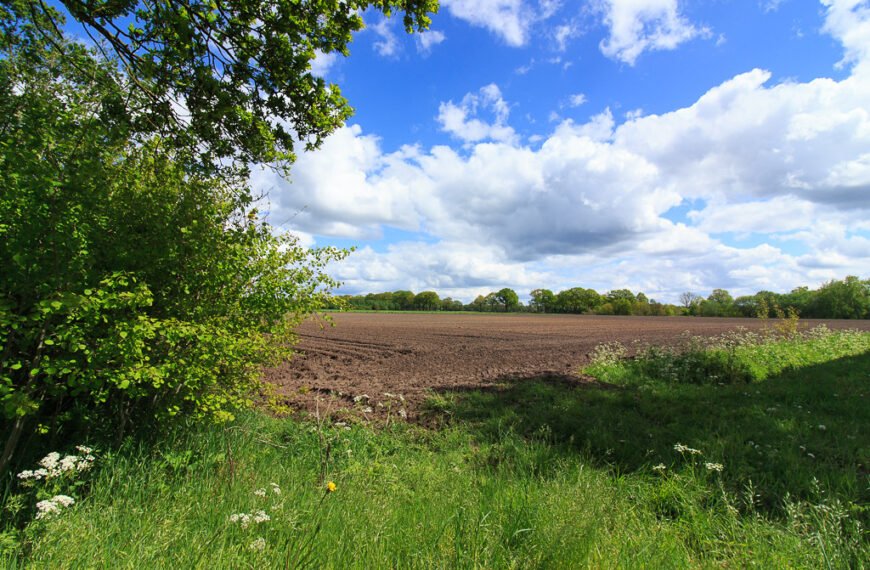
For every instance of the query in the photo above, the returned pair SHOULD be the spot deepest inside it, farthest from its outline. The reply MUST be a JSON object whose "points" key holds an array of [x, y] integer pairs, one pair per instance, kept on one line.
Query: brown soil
{"points": [[368, 355]]}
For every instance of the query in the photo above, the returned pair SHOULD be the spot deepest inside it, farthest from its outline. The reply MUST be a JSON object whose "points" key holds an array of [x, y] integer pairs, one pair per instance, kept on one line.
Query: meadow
{"points": [[639, 469]]}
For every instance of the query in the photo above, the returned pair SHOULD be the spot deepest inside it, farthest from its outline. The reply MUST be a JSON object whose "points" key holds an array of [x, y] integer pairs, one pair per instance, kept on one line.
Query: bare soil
{"points": [[367, 360]]}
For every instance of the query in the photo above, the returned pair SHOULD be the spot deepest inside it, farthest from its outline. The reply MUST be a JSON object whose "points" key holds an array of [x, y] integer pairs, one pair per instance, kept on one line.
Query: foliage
{"points": [[132, 287], [733, 358], [230, 78]]}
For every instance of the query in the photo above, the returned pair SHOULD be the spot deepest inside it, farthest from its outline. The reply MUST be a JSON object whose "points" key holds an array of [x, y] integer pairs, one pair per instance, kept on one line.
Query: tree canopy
{"points": [[230, 78]]}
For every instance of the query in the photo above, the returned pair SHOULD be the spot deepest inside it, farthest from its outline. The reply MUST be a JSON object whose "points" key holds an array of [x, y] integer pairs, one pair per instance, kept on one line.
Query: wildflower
{"points": [[84, 449], [53, 505], [685, 449], [258, 545], [367, 410], [261, 517], [260, 493], [275, 488], [403, 414], [330, 487], [660, 468], [714, 467], [822, 427], [46, 508], [243, 519]]}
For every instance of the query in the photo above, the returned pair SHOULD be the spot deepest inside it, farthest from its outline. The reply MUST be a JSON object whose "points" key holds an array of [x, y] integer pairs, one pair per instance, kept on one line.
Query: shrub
{"points": [[134, 287]]}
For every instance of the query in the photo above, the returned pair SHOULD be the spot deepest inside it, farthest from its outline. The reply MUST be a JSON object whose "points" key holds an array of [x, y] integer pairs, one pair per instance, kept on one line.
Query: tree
{"points": [[508, 299], [427, 301], [231, 78], [846, 299], [577, 300], [542, 300], [689, 301]]}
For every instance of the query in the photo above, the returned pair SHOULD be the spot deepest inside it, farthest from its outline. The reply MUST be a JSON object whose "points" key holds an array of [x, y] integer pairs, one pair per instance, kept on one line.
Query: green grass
{"points": [[536, 474]]}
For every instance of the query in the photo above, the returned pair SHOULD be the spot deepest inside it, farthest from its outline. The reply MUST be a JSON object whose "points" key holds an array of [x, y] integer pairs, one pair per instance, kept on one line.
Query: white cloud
{"points": [[564, 33], [323, 62], [588, 204], [508, 19], [460, 119], [427, 40], [576, 99], [388, 44], [637, 26]]}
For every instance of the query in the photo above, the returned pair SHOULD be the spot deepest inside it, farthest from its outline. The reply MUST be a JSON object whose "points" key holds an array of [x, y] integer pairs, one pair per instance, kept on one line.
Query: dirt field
{"points": [[412, 354]]}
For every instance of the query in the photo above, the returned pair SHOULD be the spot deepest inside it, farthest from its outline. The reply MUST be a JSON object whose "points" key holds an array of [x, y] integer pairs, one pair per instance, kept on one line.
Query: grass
{"points": [[536, 474]]}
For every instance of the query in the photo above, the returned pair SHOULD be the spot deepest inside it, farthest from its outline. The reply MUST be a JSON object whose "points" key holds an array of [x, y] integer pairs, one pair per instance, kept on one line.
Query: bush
{"points": [[134, 286]]}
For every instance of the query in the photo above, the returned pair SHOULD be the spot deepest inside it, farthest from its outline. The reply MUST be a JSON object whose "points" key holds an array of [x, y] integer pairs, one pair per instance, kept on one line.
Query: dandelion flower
{"points": [[330, 487]]}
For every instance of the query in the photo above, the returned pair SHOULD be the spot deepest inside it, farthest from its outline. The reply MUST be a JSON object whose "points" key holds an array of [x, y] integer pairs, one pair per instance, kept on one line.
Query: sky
{"points": [[657, 145]]}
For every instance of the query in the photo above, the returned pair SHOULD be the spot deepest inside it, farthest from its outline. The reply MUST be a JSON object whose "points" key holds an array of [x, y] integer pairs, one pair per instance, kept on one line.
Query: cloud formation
{"points": [[593, 204], [636, 26]]}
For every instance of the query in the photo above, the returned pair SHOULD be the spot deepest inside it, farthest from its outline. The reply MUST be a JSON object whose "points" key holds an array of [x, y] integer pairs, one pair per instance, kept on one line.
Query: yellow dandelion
{"points": [[330, 487]]}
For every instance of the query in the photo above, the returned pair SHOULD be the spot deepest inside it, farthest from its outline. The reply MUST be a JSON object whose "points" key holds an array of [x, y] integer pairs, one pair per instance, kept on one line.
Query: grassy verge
{"points": [[528, 475]]}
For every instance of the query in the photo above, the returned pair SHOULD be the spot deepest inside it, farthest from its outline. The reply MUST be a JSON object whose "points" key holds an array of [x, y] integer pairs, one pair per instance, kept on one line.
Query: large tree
{"points": [[231, 78]]}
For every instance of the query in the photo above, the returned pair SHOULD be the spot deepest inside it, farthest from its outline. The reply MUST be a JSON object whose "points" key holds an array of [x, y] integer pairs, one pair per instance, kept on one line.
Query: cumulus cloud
{"points": [[460, 119], [590, 203], [508, 19], [576, 99], [388, 44], [427, 40], [636, 26]]}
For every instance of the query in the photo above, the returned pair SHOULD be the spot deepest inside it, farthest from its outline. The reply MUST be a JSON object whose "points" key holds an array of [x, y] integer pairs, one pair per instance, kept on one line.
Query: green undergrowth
{"points": [[531, 474], [736, 357]]}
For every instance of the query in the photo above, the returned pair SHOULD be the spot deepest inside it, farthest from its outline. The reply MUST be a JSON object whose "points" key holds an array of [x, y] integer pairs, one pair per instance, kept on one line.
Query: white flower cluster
{"points": [[53, 505], [258, 545], [714, 467], [660, 468], [53, 465], [245, 519], [685, 449]]}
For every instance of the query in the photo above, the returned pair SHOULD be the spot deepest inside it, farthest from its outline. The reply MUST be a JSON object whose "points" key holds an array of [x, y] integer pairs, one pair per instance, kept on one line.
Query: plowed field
{"points": [[412, 354]]}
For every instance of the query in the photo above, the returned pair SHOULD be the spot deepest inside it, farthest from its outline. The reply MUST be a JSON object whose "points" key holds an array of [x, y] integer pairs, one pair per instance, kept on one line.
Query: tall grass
{"points": [[536, 474]]}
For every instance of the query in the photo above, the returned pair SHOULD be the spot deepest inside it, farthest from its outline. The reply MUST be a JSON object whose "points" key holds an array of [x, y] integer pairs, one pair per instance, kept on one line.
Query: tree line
{"points": [[848, 298]]}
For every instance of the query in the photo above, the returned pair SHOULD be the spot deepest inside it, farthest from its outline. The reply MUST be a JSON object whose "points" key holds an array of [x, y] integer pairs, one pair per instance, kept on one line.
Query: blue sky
{"points": [[659, 145]]}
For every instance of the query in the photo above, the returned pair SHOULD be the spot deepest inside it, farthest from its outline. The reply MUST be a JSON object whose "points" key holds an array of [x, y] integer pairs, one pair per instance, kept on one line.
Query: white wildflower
{"points": [[261, 517], [660, 468], [243, 519], [389, 395], [46, 508], [714, 467], [50, 462], [275, 488], [367, 410], [85, 449], [27, 474], [685, 449], [69, 463], [403, 414], [63, 500], [822, 427], [258, 545], [260, 493]]}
